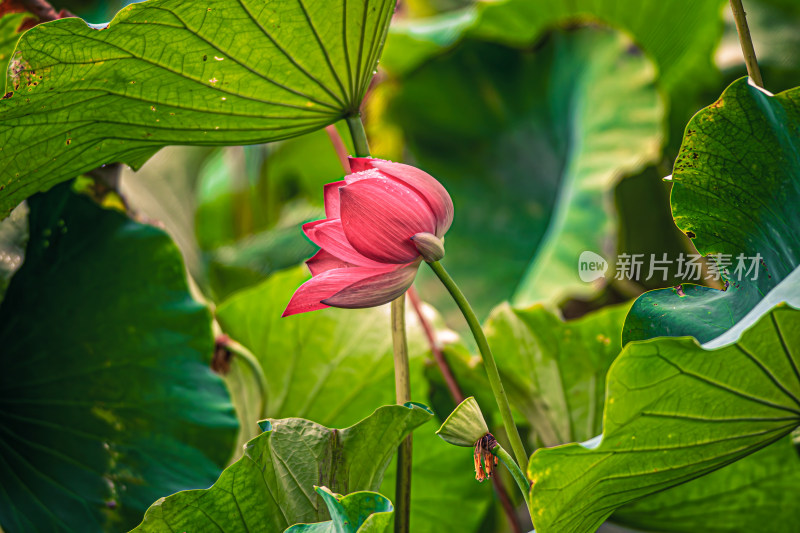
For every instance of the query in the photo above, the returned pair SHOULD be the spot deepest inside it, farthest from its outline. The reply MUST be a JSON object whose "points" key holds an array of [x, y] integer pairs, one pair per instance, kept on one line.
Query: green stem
{"points": [[747, 42], [516, 472], [402, 383], [403, 394], [254, 365], [358, 135], [488, 361]]}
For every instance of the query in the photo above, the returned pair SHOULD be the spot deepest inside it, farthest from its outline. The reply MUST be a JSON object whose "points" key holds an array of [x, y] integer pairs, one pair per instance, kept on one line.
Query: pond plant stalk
{"points": [[740, 17], [458, 396], [402, 503], [488, 362]]}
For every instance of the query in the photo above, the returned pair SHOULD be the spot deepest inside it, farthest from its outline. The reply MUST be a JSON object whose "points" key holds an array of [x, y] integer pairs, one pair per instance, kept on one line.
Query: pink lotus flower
{"points": [[368, 255]]}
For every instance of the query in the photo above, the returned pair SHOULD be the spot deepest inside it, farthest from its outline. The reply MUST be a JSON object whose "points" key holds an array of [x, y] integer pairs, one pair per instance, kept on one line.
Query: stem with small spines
{"points": [[749, 52]]}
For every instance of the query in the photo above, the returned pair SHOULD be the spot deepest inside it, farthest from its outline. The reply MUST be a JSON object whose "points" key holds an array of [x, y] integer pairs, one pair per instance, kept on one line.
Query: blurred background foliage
{"points": [[552, 125]]}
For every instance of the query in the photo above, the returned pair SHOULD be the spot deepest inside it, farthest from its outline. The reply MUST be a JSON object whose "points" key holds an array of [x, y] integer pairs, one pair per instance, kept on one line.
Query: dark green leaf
{"points": [[736, 190], [107, 398], [680, 36], [167, 72], [530, 165], [272, 486]]}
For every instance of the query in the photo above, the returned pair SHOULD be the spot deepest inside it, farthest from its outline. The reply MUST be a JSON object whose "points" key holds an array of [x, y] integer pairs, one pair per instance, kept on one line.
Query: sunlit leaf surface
{"points": [[272, 486], [674, 411], [757, 493], [167, 72]]}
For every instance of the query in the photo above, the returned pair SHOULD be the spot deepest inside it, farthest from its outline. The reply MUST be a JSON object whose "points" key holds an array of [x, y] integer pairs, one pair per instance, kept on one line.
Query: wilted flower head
{"points": [[483, 451], [368, 256]]}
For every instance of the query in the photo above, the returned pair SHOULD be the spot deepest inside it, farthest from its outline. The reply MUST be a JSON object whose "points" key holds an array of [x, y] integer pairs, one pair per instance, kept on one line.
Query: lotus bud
{"points": [[430, 247], [368, 255]]}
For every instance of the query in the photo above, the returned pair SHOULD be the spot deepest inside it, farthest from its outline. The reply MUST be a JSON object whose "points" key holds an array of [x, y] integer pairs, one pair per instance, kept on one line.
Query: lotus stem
{"points": [[403, 393], [358, 135], [402, 382], [514, 469], [253, 364], [458, 397], [488, 361], [747, 42]]}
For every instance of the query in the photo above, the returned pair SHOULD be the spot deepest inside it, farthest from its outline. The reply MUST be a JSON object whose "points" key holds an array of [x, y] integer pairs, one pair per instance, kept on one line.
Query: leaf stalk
{"points": [[514, 469], [488, 361], [402, 382], [740, 17], [403, 394], [358, 135]]}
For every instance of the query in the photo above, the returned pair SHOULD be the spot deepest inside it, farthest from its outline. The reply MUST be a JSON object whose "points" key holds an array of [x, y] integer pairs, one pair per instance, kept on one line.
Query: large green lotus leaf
{"points": [[757, 493], [166, 72], [272, 486], [554, 371], [674, 411], [359, 512], [680, 35], [530, 165], [736, 191], [411, 42], [334, 366], [681, 43], [108, 401]]}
